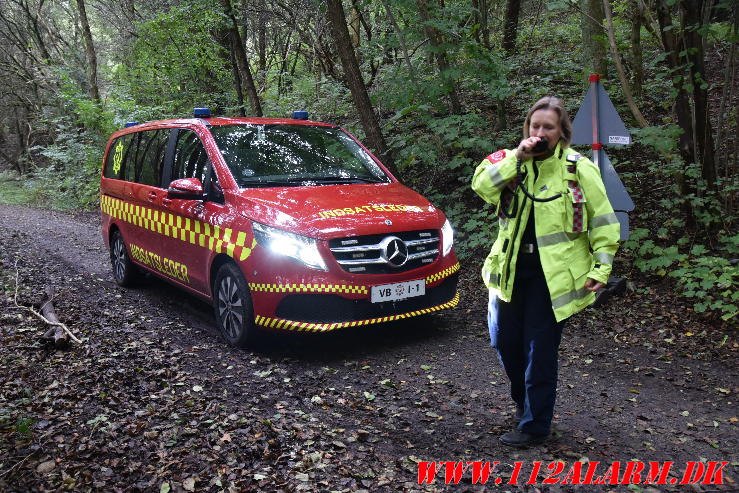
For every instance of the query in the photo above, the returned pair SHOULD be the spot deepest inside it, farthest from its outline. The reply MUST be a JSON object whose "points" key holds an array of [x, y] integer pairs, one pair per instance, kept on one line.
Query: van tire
{"points": [[233, 307], [124, 271]]}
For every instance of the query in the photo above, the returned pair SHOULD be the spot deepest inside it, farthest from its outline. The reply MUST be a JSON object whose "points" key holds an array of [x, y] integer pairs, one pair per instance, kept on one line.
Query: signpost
{"points": [[598, 119]]}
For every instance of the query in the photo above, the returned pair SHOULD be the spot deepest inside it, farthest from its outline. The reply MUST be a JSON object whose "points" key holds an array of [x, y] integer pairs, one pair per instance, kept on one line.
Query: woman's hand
{"points": [[593, 285], [523, 151]]}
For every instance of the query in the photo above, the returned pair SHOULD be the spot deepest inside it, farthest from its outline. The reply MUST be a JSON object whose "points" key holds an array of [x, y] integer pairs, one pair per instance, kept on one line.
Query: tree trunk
{"points": [[355, 28], [637, 64], [682, 104], [435, 39], [594, 49], [238, 86], [727, 95], [241, 60], [262, 42], [484, 23], [337, 20], [92, 64], [510, 26], [693, 45], [620, 69]]}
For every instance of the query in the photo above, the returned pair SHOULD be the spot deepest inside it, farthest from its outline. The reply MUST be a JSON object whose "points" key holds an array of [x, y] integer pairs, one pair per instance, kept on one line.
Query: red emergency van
{"points": [[282, 224]]}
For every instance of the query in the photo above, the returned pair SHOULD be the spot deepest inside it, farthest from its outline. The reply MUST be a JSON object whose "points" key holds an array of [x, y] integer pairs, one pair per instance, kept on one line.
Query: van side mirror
{"points": [[186, 188]]}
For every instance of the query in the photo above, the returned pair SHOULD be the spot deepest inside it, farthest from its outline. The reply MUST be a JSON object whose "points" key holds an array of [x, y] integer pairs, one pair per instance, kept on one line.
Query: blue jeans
{"points": [[527, 336]]}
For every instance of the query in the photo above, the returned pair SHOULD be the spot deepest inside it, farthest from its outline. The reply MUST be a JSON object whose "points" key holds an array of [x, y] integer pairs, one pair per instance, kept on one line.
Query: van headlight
{"points": [[447, 237], [300, 248]]}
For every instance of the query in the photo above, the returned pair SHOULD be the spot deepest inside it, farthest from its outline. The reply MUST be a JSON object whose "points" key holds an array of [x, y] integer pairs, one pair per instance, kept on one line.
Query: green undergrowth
{"points": [[709, 278], [48, 189]]}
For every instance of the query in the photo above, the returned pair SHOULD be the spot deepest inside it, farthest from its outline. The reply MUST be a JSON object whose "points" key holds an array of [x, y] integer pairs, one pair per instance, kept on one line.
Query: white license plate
{"points": [[398, 291]]}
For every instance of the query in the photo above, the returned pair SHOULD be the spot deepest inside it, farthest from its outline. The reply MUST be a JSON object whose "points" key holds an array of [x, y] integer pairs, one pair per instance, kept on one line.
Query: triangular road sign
{"points": [[611, 130]]}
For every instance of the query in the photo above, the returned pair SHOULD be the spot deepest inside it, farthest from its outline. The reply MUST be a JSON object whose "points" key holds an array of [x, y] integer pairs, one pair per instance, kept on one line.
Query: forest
{"points": [[150, 399]]}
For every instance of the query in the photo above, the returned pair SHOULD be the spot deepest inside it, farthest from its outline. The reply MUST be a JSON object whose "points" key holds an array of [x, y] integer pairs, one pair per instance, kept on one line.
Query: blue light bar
{"points": [[130, 124], [201, 113], [300, 115]]}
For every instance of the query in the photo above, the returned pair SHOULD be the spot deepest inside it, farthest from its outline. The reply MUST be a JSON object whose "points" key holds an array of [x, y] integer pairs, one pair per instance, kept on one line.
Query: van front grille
{"points": [[386, 253]]}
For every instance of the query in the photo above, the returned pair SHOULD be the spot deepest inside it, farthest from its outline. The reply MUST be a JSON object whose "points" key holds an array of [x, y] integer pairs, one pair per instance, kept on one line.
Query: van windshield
{"points": [[294, 155]]}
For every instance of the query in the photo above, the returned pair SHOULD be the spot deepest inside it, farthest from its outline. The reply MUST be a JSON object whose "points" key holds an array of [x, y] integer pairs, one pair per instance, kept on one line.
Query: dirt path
{"points": [[155, 400]]}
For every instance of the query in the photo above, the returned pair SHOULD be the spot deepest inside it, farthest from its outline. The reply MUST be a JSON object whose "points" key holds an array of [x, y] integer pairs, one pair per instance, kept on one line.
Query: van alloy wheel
{"points": [[233, 308], [124, 271], [230, 307]]}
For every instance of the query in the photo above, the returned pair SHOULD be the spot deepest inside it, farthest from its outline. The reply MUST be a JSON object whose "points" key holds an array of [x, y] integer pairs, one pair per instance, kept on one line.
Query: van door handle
{"points": [[166, 202], [152, 196]]}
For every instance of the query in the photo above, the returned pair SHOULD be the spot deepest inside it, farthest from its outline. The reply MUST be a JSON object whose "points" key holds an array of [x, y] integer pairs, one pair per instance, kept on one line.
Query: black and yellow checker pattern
{"points": [[337, 288], [220, 240], [283, 324], [309, 288], [441, 275]]}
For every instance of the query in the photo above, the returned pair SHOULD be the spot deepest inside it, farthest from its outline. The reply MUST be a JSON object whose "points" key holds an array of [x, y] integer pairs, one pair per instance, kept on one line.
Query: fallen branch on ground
{"points": [[49, 316], [56, 333]]}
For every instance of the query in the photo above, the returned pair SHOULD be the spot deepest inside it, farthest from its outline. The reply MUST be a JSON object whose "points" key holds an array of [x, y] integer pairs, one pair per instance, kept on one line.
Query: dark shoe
{"points": [[518, 439]]}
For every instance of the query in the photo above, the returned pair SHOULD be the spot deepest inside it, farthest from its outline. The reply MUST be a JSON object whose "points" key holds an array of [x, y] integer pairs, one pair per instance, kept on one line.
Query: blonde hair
{"points": [[554, 104]]}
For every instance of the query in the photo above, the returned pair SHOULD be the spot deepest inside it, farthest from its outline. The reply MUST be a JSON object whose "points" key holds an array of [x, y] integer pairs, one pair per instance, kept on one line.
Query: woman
{"points": [[557, 238]]}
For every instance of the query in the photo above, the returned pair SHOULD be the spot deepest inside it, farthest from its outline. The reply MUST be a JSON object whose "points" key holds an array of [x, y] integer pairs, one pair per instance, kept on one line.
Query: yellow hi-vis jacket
{"points": [[577, 234]]}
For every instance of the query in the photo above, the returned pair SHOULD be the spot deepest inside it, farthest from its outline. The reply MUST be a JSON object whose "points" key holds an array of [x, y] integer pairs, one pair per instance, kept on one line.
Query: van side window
{"points": [[190, 158], [150, 157], [131, 143], [120, 150], [114, 162]]}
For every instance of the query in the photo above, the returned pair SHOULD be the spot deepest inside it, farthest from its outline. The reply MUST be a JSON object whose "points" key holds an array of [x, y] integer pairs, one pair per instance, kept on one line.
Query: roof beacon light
{"points": [[130, 124], [201, 113], [300, 115]]}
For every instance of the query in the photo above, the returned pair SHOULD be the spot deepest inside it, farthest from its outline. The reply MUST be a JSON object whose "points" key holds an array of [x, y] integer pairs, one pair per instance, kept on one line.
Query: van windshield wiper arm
{"points": [[345, 179]]}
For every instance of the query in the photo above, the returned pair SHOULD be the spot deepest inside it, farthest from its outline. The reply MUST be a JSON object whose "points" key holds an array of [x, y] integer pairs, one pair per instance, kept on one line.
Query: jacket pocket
{"points": [[579, 268]]}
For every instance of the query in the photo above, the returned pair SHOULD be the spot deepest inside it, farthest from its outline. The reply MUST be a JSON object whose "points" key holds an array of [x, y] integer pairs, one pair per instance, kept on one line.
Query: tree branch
{"points": [[44, 319]]}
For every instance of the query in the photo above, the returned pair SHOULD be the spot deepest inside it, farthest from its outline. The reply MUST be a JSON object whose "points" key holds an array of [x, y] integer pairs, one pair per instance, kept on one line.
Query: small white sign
{"points": [[619, 139], [398, 291]]}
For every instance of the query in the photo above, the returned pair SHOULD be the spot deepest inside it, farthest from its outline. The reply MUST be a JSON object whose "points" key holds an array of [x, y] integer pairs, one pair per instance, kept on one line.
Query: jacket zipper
{"points": [[513, 243]]}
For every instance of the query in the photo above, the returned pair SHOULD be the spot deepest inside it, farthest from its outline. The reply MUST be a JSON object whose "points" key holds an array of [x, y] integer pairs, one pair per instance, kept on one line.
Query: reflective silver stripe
{"points": [[567, 298], [604, 220], [554, 238], [603, 258], [495, 177]]}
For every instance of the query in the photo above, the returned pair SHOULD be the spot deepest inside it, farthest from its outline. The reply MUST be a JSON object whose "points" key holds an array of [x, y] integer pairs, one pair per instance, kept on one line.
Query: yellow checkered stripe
{"points": [[220, 240], [279, 323], [441, 275], [308, 288]]}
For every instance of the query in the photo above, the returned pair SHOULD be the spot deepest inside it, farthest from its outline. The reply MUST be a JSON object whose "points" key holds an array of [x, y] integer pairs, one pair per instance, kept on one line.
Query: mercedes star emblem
{"points": [[396, 253]]}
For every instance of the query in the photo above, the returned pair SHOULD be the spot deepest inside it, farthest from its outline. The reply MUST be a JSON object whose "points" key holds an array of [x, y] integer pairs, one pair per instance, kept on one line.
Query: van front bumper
{"points": [[327, 308]]}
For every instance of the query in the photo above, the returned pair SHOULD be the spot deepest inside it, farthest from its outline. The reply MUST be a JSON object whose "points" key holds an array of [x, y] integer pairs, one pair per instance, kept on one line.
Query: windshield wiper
{"points": [[296, 181], [271, 183], [345, 179]]}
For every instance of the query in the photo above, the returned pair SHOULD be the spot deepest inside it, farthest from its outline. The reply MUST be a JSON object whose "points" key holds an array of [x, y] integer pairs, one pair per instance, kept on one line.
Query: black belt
{"points": [[527, 248]]}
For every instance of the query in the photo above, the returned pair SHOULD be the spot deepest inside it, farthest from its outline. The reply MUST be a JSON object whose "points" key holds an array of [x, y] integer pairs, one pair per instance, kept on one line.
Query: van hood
{"points": [[331, 211]]}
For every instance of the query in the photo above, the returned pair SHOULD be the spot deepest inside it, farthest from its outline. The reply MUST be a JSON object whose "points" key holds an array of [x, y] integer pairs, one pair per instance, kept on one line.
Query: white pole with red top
{"points": [[596, 145]]}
